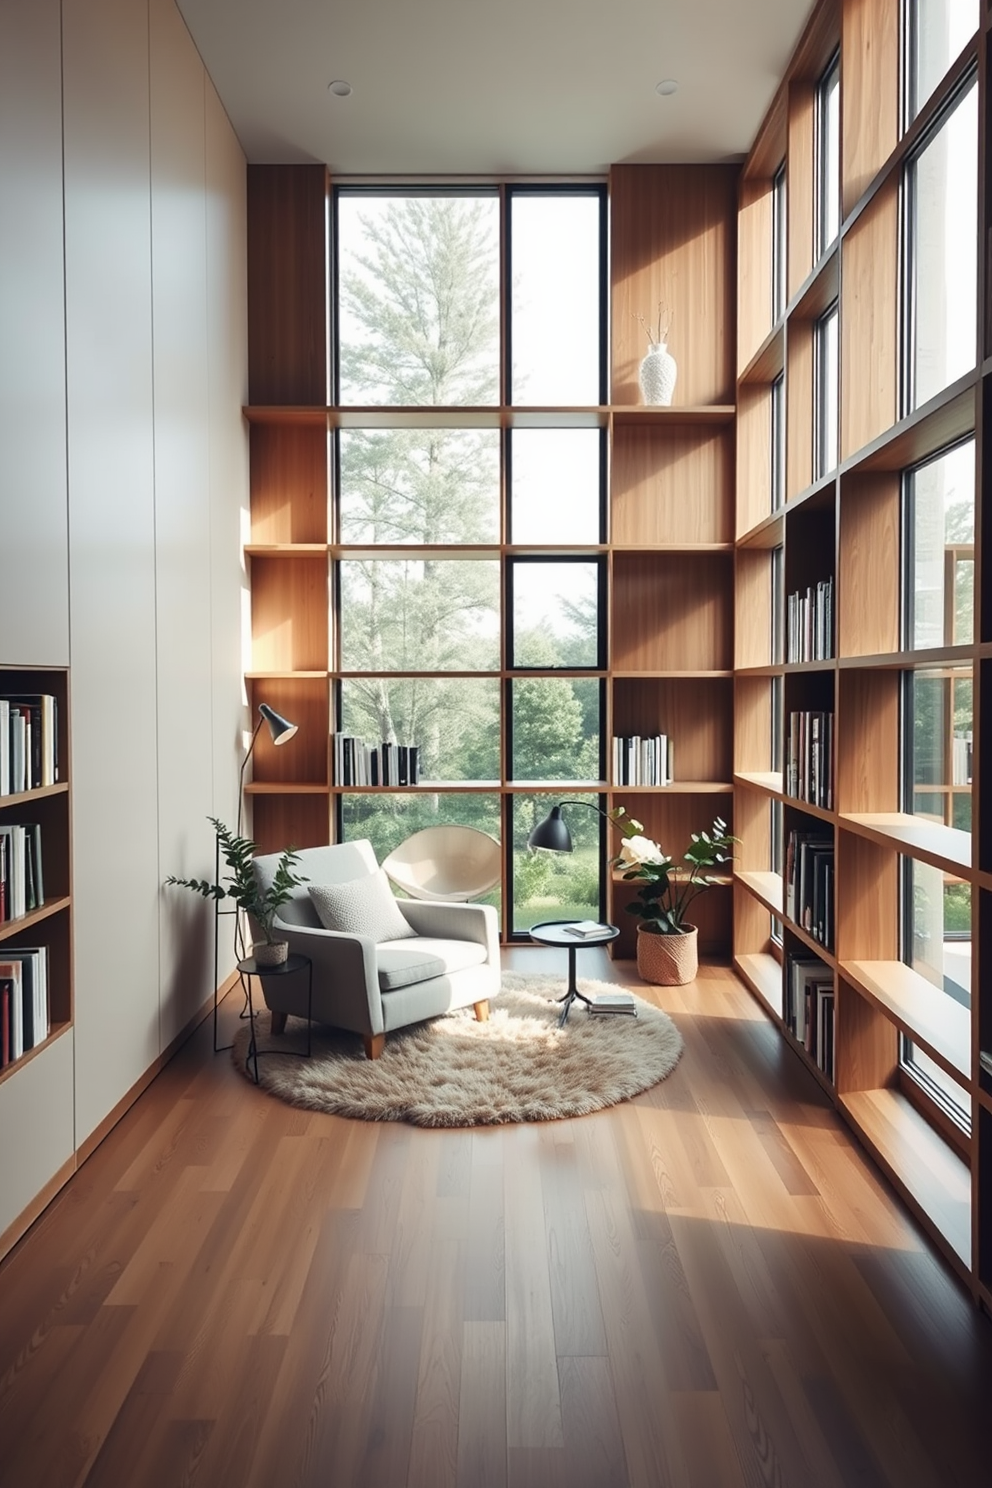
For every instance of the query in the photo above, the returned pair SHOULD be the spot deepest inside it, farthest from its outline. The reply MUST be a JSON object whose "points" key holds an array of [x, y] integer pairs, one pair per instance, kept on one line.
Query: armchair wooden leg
{"points": [[279, 1022], [374, 1044], [482, 1010]]}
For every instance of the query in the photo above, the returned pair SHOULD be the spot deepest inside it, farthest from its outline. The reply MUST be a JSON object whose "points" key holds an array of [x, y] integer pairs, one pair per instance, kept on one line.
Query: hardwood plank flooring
{"points": [[710, 1286]]}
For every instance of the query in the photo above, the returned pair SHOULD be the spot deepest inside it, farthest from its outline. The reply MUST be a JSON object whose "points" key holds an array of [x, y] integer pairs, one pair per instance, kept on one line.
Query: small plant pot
{"points": [[668, 960], [270, 953]]}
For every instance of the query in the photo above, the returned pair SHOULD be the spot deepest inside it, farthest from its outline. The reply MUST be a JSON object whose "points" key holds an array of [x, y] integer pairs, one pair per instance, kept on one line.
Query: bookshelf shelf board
{"points": [[677, 788], [820, 287], [709, 413], [767, 533], [813, 497], [417, 552], [763, 975], [627, 676], [448, 676], [930, 1175], [800, 667], [25, 922], [944, 419], [771, 669], [677, 547], [769, 359], [767, 888], [25, 798], [936, 1022], [425, 788], [558, 787], [286, 550], [944, 847], [287, 788], [56, 1032], [811, 943], [769, 781], [286, 676], [299, 414], [944, 658], [820, 812], [719, 880]]}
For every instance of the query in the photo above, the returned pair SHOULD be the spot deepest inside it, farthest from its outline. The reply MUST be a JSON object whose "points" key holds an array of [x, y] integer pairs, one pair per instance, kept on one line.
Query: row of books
{"points": [[357, 763], [809, 754], [809, 1009], [28, 743], [809, 884], [22, 884], [809, 623], [23, 1000], [642, 761]]}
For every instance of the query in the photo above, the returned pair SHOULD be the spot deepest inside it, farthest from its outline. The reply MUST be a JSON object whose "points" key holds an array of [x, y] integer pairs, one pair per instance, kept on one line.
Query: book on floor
{"points": [[605, 1003]]}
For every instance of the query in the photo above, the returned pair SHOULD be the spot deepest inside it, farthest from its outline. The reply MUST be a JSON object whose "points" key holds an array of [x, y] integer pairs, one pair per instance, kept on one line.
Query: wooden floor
{"points": [[707, 1286]]}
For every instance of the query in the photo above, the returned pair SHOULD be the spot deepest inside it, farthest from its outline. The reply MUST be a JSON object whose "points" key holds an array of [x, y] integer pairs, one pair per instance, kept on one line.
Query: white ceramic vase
{"points": [[657, 376]]}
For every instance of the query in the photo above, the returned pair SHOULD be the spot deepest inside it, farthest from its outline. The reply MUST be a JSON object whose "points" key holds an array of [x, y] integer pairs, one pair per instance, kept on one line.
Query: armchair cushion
{"points": [[361, 906], [417, 961]]}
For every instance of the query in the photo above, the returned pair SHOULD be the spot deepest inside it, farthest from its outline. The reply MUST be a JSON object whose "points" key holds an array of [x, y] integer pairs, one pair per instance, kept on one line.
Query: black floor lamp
{"points": [[281, 731]]}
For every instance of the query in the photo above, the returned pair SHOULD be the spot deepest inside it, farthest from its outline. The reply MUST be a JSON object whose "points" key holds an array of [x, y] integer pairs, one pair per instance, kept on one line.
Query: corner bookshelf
{"points": [[795, 527], [50, 924]]}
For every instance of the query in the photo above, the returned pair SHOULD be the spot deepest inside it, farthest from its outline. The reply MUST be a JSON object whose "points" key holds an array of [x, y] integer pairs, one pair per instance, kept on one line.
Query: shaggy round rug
{"points": [[454, 1071]]}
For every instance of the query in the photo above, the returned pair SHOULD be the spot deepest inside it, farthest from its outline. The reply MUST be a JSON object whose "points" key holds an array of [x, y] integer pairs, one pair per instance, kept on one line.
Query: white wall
{"points": [[123, 475]]}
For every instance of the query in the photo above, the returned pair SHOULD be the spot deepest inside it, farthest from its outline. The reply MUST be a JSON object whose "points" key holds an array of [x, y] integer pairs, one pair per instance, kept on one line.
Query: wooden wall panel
{"points": [[290, 821], [288, 484], [754, 456], [753, 731], [799, 408], [695, 715], [869, 92], [869, 323], [287, 284], [672, 612], [753, 592], [289, 614], [868, 599], [752, 824], [754, 268], [34, 596], [868, 908], [672, 486], [800, 176], [866, 1044], [674, 238], [867, 726], [304, 701]]}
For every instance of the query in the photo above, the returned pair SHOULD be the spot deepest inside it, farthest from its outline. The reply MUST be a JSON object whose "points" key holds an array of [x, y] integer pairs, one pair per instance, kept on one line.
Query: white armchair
{"points": [[370, 986]]}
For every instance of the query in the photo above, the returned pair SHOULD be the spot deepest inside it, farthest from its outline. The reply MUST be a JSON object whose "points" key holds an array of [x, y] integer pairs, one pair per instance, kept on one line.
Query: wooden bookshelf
{"points": [[50, 923], [847, 524]]}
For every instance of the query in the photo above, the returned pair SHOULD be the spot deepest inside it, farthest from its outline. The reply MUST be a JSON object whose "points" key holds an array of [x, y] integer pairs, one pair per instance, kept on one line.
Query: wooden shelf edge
{"points": [[765, 364], [767, 781], [436, 787], [811, 943], [286, 676], [50, 907], [942, 847], [57, 1030], [932, 1179], [897, 989], [25, 798], [286, 550], [286, 788], [761, 973], [676, 788], [766, 887], [768, 533]]}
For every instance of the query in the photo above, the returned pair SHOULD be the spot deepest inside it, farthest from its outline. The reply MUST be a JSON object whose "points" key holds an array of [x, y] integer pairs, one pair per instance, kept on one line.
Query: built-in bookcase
{"points": [[908, 1068], [49, 924]]}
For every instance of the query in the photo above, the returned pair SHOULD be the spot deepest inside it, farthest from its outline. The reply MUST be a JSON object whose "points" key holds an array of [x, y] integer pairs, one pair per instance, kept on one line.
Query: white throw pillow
{"points": [[362, 906]]}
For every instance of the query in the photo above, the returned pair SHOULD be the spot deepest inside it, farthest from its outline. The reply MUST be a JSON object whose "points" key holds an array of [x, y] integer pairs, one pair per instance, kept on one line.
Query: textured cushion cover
{"points": [[362, 906], [419, 960]]}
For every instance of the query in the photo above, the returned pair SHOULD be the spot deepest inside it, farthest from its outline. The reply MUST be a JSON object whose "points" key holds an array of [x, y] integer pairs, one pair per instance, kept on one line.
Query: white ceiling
{"points": [[472, 87]]}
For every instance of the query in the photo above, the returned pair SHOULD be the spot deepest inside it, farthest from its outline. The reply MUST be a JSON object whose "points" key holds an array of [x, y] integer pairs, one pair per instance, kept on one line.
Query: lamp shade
{"points": [[552, 833], [280, 728]]}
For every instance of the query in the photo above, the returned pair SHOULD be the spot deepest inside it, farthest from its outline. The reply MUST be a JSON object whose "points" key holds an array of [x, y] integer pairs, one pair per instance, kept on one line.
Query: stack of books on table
{"points": [[583, 929], [605, 1004]]}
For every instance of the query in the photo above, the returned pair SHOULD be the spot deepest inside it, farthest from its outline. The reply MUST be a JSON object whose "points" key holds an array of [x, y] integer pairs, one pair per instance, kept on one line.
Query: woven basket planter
{"points": [[668, 960], [270, 953]]}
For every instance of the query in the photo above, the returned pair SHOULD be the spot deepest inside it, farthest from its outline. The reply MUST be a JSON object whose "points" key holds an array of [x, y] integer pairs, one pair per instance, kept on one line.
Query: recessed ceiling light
{"points": [[339, 88], [666, 87]]}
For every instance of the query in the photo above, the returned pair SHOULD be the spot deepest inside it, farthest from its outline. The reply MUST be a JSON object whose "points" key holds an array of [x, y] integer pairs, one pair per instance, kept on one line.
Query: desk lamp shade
{"points": [[552, 833], [280, 728]]}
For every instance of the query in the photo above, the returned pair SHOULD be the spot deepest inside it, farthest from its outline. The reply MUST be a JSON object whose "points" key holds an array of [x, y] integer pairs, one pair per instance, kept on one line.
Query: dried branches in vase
{"points": [[658, 369]]}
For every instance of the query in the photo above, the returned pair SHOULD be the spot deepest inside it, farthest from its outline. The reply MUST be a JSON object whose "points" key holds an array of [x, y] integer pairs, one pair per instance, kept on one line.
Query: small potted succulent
{"points": [[241, 885], [667, 943]]}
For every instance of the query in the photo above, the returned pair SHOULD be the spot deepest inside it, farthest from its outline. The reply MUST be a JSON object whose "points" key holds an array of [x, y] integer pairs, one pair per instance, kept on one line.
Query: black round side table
{"points": [[292, 966], [557, 933]]}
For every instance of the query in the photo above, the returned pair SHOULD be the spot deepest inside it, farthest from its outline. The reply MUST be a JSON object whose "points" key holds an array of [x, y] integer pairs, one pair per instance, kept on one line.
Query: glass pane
{"points": [[944, 257], [453, 721], [939, 950], [828, 156], [939, 710], [556, 479], [388, 820], [555, 886], [556, 728], [827, 385], [419, 615], [555, 614], [938, 1081], [418, 299], [941, 579], [778, 442], [938, 31], [555, 322], [419, 486], [779, 239]]}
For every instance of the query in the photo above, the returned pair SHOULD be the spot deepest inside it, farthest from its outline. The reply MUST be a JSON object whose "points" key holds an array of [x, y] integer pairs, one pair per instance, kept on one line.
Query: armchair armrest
{"points": [[475, 922], [345, 977]]}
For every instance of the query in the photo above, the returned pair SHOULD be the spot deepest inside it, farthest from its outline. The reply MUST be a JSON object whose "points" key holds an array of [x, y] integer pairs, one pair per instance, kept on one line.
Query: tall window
{"points": [[451, 637], [934, 32], [779, 242], [778, 441], [939, 550], [941, 266], [825, 393], [828, 156]]}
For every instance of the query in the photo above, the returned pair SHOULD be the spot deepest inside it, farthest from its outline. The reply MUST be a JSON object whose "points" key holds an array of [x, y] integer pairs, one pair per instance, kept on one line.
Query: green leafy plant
{"points": [[667, 888], [240, 883]]}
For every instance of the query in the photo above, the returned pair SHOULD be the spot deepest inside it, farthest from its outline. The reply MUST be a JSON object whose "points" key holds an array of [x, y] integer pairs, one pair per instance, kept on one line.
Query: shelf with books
{"points": [[765, 886], [808, 1004]]}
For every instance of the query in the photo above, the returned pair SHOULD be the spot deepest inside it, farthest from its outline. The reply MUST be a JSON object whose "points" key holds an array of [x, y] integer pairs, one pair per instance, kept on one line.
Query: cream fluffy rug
{"points": [[454, 1071]]}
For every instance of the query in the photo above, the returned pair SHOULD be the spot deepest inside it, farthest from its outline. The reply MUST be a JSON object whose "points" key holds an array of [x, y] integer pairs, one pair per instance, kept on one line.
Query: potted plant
{"points": [[667, 943], [242, 887]]}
